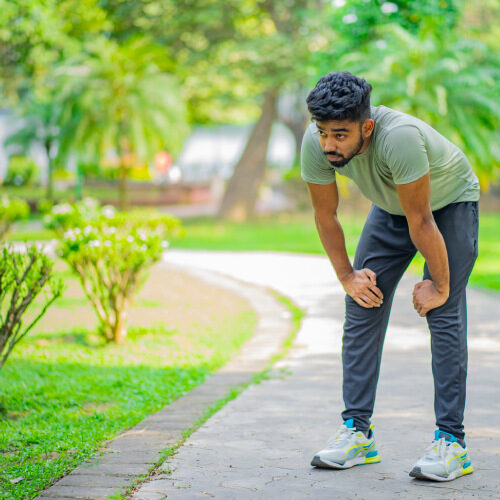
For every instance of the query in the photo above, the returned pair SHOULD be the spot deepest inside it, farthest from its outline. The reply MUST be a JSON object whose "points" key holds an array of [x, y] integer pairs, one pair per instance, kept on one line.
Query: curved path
{"points": [[259, 445]]}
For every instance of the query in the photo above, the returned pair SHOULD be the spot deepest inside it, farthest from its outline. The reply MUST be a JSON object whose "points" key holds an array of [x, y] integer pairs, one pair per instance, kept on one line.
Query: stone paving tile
{"points": [[150, 496], [86, 492], [96, 481], [55, 498], [122, 469]]}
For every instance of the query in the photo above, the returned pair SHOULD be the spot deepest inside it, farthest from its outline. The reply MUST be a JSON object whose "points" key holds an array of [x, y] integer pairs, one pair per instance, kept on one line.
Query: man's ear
{"points": [[367, 127]]}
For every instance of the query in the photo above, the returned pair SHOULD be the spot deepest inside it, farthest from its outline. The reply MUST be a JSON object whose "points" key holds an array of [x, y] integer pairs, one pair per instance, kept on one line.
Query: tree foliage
{"points": [[228, 56], [36, 35], [451, 83]]}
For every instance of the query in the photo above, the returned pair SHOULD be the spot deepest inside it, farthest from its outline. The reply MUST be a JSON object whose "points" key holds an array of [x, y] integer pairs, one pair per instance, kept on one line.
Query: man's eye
{"points": [[340, 136], [322, 134]]}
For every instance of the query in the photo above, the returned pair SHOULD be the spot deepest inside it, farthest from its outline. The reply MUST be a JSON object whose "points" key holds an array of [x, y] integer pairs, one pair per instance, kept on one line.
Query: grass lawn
{"points": [[64, 391]]}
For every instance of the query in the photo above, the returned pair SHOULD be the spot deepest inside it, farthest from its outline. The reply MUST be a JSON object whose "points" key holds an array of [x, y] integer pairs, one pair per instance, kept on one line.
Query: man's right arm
{"points": [[361, 285]]}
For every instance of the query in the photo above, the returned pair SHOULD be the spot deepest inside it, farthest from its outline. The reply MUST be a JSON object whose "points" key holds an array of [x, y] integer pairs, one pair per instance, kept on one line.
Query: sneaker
{"points": [[444, 460], [346, 448]]}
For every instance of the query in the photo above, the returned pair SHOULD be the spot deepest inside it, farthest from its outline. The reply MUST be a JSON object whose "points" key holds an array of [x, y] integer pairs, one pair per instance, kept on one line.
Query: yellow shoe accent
{"points": [[468, 470]]}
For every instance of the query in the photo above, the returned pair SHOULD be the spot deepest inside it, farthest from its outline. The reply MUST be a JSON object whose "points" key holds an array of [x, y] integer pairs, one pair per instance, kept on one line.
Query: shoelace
{"points": [[339, 437], [437, 448]]}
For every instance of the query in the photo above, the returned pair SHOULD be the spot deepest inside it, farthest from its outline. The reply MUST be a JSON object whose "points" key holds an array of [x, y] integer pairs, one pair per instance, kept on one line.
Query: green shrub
{"points": [[22, 277], [111, 253], [21, 171], [11, 210]]}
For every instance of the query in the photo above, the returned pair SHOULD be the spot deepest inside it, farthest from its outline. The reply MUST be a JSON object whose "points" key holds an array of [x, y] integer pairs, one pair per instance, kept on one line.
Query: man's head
{"points": [[340, 105]]}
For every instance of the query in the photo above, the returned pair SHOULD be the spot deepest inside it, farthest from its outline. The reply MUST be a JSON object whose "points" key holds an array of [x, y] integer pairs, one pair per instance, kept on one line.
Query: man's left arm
{"points": [[415, 201]]}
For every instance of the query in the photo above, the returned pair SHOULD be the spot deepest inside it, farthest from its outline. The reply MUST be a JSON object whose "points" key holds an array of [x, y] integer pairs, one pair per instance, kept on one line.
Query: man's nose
{"points": [[330, 146]]}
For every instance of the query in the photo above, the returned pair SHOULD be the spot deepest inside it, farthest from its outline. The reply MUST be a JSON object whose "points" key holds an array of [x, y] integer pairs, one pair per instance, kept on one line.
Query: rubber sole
{"points": [[417, 473], [317, 461]]}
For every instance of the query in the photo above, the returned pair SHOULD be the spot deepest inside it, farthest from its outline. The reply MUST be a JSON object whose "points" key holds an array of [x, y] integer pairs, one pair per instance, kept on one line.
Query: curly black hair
{"points": [[340, 96]]}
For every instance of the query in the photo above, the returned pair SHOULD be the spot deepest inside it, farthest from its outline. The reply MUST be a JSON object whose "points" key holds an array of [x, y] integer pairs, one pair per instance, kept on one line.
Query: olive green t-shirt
{"points": [[402, 149]]}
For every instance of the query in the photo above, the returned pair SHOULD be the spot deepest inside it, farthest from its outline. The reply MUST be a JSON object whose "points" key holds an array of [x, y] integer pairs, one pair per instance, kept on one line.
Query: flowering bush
{"points": [[111, 253], [22, 277], [11, 210], [64, 216]]}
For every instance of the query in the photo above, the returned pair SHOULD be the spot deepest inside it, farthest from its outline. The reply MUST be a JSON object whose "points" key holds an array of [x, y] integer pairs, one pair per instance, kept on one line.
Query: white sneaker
{"points": [[444, 460], [346, 448]]}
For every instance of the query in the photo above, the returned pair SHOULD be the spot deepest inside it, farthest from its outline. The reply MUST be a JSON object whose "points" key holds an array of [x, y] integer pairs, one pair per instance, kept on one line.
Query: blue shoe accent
{"points": [[468, 464], [447, 436], [349, 423], [373, 453]]}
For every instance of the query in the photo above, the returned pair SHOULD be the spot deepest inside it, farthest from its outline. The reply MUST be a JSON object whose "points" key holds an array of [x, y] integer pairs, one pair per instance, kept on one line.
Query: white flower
{"points": [[130, 238], [349, 18], [389, 8], [165, 244], [63, 208], [108, 211]]}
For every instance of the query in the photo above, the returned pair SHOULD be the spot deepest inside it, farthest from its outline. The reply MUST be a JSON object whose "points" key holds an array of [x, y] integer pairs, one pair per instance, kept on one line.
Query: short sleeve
{"points": [[315, 168], [405, 154]]}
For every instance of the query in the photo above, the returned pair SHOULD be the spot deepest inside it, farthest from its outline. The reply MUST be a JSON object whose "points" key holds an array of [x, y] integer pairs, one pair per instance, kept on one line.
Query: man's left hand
{"points": [[426, 297]]}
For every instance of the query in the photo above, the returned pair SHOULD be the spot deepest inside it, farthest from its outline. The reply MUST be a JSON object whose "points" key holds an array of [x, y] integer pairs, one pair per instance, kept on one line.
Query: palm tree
{"points": [[117, 100], [450, 83]]}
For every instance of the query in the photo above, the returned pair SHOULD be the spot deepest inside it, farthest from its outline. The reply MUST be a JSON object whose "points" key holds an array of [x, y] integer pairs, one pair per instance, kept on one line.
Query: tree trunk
{"points": [[297, 129], [50, 168], [120, 329], [242, 189], [123, 151], [123, 198]]}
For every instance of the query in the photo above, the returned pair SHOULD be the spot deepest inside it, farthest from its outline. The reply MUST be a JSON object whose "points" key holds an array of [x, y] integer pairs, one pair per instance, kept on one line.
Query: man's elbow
{"points": [[421, 225], [325, 217]]}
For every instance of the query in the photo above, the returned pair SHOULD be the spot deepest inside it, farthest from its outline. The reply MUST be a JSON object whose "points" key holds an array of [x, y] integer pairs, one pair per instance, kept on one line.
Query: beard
{"points": [[344, 160]]}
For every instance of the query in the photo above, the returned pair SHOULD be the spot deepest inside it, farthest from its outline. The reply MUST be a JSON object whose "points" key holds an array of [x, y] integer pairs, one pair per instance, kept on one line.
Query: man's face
{"points": [[342, 140]]}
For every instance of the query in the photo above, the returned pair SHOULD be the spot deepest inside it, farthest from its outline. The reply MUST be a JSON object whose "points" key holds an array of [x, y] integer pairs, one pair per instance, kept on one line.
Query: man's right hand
{"points": [[362, 287]]}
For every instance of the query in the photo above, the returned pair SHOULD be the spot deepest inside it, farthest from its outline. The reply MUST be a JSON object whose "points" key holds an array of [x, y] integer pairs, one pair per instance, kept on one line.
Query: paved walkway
{"points": [[259, 445], [130, 455]]}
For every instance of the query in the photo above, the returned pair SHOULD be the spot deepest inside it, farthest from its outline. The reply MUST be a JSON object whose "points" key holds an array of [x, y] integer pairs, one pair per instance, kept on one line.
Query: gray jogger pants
{"points": [[386, 248]]}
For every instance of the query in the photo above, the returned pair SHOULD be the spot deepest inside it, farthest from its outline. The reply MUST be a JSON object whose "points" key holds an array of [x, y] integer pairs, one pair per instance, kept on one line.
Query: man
{"points": [[424, 196]]}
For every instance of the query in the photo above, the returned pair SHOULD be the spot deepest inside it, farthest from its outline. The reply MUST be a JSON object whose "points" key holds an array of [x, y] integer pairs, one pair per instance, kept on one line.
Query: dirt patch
{"points": [[183, 302]]}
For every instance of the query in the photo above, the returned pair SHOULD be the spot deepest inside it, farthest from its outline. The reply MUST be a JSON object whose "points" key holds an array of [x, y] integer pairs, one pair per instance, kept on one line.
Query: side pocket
{"points": [[475, 226]]}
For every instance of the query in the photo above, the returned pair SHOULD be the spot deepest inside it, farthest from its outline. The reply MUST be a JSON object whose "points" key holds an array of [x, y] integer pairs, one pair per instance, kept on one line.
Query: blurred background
{"points": [[197, 107]]}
